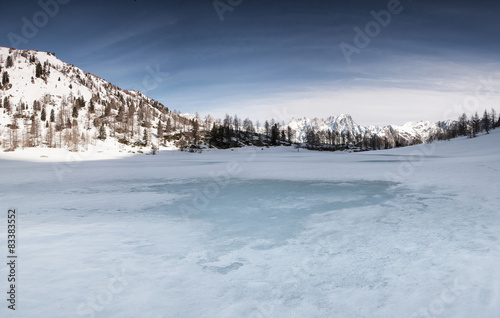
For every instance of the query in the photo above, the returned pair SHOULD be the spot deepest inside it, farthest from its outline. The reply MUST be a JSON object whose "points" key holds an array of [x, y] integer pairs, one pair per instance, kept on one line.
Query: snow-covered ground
{"points": [[409, 232]]}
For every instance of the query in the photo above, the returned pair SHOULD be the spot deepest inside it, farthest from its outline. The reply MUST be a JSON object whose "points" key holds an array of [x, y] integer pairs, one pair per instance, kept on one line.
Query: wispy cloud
{"points": [[110, 40], [270, 55]]}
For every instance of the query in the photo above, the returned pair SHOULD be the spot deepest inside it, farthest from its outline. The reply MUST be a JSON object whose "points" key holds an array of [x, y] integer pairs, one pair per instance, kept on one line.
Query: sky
{"points": [[383, 62]]}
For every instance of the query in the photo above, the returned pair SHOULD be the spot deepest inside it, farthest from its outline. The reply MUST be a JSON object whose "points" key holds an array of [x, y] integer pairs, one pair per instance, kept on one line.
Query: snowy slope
{"points": [[57, 84], [57, 89]]}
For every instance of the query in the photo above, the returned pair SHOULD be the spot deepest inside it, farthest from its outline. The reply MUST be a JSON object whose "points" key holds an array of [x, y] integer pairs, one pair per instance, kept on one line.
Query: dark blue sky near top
{"points": [[277, 58]]}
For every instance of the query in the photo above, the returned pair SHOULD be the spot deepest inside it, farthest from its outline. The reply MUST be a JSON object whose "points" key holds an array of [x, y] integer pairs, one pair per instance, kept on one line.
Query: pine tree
{"points": [[274, 135], [13, 137], [213, 136], [311, 139], [462, 125], [159, 131], [476, 125], [52, 116], [195, 131], [43, 115], [38, 70], [169, 126], [145, 137], [91, 107], [6, 103], [80, 102], [37, 106], [493, 118], [5, 78], [486, 122], [102, 132], [9, 62]]}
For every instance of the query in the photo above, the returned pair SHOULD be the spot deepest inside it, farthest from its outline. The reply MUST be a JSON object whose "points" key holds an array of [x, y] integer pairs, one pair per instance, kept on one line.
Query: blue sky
{"points": [[281, 59]]}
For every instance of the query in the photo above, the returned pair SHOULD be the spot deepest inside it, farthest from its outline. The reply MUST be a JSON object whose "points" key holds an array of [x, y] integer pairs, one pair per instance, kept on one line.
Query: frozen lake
{"points": [[284, 234], [266, 209]]}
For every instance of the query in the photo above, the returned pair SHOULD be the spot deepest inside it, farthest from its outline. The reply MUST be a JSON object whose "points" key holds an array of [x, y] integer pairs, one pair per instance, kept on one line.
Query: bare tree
{"points": [[13, 136], [35, 131], [50, 135], [75, 136]]}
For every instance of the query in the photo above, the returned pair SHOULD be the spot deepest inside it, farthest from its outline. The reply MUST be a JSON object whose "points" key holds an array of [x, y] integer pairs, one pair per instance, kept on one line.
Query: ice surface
{"points": [[408, 232], [268, 209]]}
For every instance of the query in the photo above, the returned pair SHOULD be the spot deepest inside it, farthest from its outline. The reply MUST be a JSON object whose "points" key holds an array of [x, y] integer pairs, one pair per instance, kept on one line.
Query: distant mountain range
{"points": [[344, 124]]}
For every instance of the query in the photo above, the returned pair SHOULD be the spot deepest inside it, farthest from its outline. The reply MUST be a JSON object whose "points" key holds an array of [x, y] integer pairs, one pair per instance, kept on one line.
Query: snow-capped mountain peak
{"points": [[344, 125]]}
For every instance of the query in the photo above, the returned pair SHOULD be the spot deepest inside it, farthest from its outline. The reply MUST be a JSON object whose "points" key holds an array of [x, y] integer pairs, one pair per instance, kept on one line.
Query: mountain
{"points": [[343, 125], [47, 102]]}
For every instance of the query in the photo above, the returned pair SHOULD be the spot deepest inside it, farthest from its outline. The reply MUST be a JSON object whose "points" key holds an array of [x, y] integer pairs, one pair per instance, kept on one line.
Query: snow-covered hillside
{"points": [[49, 103]]}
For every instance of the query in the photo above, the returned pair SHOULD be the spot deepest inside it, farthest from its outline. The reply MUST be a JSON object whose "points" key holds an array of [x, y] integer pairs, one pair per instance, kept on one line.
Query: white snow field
{"points": [[411, 232]]}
